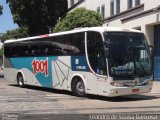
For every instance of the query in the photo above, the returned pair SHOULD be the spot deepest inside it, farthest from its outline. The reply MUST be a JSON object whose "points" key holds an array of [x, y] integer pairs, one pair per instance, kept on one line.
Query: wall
{"points": [[143, 22]]}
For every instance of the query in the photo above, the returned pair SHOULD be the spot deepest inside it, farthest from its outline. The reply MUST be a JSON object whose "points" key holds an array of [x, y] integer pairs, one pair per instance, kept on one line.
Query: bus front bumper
{"points": [[122, 91]]}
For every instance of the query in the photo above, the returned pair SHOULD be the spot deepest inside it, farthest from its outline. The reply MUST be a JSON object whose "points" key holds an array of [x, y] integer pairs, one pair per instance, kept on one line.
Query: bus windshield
{"points": [[129, 54]]}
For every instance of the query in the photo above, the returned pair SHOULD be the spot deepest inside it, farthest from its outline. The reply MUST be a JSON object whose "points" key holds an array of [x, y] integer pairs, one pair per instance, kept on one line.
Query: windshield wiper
{"points": [[142, 67], [132, 55]]}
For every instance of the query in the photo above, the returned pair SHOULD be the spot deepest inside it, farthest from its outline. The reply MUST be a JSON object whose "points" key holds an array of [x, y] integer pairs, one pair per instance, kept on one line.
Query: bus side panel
{"points": [[10, 74], [91, 86], [103, 86], [29, 77], [61, 72], [9, 70], [36, 69], [65, 68], [80, 68]]}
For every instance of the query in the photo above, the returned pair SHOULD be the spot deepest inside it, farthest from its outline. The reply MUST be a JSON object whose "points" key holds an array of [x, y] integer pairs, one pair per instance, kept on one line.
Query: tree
{"points": [[1, 54], [37, 15], [1, 8], [1, 49], [80, 17], [14, 34]]}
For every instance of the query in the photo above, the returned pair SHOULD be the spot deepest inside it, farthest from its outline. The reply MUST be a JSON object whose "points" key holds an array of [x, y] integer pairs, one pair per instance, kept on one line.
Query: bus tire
{"points": [[78, 87], [20, 80]]}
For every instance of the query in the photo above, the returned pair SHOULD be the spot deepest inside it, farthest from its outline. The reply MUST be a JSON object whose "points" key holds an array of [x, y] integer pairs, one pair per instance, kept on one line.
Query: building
{"points": [[143, 15]]}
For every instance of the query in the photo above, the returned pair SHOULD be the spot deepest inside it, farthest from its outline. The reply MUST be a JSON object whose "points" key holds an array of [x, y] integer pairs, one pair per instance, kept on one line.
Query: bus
{"points": [[106, 61]]}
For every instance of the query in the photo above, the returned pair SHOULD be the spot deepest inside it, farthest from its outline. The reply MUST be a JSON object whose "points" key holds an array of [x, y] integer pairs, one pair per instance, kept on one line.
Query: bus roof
{"points": [[98, 29]]}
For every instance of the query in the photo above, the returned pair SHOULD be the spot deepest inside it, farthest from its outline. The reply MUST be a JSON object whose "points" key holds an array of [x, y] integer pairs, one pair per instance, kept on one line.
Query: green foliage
{"points": [[1, 8], [16, 33], [37, 15], [80, 17], [1, 53]]}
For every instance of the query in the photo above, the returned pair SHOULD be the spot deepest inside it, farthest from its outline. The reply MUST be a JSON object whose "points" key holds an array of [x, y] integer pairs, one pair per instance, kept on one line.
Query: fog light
{"points": [[113, 92], [115, 84]]}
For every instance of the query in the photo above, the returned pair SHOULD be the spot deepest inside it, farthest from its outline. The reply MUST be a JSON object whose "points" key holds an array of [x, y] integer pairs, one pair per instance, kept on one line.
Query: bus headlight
{"points": [[116, 84]]}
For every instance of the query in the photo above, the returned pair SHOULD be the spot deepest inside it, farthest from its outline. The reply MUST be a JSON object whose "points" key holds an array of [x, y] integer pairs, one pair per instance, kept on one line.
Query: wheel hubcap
{"points": [[20, 80], [80, 88]]}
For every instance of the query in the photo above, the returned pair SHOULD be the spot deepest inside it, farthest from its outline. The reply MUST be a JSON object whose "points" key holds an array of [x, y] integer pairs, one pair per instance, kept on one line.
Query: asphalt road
{"points": [[31, 103]]}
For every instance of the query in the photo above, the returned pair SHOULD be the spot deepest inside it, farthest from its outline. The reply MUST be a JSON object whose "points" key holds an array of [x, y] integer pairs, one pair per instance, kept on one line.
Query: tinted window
{"points": [[98, 9], [71, 3], [103, 11], [129, 4], [137, 2], [117, 6], [112, 7], [96, 53], [72, 44]]}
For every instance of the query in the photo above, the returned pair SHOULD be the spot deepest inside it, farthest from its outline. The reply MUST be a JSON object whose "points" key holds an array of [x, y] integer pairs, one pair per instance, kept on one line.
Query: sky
{"points": [[6, 21]]}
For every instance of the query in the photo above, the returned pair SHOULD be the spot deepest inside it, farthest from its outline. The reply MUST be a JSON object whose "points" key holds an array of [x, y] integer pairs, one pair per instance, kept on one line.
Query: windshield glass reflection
{"points": [[128, 54]]}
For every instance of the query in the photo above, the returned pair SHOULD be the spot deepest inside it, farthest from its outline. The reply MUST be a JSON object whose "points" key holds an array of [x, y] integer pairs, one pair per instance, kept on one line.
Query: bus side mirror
{"points": [[106, 49], [151, 50], [105, 43], [106, 52]]}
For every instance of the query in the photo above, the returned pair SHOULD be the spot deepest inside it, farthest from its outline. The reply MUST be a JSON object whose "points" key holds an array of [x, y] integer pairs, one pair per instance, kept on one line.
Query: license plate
{"points": [[135, 90]]}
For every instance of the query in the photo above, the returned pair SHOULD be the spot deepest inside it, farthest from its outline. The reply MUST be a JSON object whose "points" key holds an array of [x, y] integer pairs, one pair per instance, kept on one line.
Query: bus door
{"points": [[97, 60]]}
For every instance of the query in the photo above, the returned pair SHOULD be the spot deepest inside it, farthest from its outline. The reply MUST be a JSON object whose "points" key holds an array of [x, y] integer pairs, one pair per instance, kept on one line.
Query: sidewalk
{"points": [[1, 74], [156, 86]]}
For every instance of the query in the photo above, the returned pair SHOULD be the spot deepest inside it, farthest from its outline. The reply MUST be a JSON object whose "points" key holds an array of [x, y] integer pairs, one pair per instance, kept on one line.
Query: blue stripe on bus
{"points": [[78, 63], [45, 81]]}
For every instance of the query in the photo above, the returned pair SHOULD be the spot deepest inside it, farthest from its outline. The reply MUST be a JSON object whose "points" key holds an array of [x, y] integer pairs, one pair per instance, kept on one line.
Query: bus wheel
{"points": [[20, 80], [78, 87]]}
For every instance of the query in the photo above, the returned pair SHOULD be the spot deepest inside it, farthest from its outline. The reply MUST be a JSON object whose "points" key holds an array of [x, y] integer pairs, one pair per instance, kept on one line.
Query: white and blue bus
{"points": [[99, 60]]}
